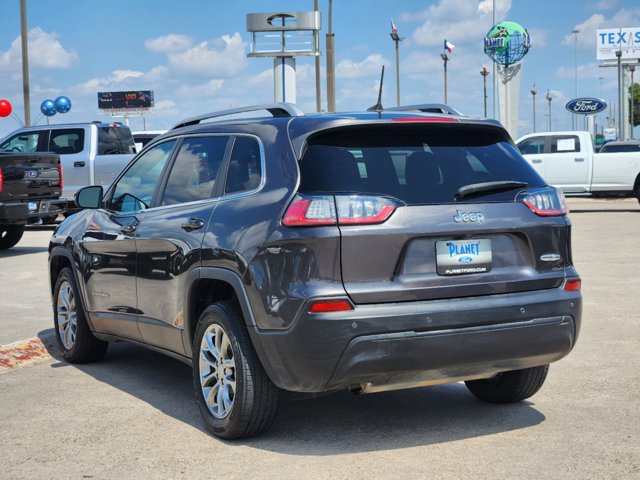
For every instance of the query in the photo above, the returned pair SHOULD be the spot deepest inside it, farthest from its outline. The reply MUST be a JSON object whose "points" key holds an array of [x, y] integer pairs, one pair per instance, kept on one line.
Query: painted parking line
{"points": [[25, 352]]}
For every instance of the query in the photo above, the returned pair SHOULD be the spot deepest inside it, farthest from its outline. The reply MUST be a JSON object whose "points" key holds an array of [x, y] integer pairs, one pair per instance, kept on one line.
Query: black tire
{"points": [[76, 342], [245, 402], [49, 220], [10, 235], [509, 387]]}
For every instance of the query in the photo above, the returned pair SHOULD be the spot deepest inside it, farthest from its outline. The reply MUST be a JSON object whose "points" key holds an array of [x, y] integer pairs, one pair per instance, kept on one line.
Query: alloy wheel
{"points": [[217, 371]]}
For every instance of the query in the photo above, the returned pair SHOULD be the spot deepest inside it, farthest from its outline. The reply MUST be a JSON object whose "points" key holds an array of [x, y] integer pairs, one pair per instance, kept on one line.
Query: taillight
{"points": [[316, 210], [327, 306], [1, 180], [60, 172], [546, 202]]}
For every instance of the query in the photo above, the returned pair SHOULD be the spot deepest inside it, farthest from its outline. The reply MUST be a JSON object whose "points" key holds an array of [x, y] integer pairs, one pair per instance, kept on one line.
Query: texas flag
{"points": [[448, 46], [393, 27]]}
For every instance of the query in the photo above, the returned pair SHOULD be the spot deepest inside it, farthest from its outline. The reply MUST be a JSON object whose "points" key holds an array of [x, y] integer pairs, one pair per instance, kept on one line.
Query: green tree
{"points": [[634, 91]]}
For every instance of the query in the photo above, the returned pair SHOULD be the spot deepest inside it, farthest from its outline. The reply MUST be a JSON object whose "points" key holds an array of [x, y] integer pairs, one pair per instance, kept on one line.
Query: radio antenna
{"points": [[378, 106]]}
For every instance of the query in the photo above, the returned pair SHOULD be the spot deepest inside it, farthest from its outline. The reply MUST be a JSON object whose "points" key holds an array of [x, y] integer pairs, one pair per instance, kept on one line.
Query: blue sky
{"points": [[193, 54]]}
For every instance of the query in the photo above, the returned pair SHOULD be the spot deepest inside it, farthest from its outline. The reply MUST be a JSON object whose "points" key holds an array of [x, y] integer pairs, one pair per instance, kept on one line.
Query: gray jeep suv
{"points": [[311, 253]]}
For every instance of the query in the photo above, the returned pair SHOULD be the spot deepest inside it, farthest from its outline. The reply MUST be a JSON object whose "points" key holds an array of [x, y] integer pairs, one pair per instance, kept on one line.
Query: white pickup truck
{"points": [[568, 160], [90, 153]]}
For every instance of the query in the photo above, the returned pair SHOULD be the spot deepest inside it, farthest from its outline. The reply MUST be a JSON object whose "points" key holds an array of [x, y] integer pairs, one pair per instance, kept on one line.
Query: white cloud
{"points": [[369, 66], [114, 80], [202, 90], [456, 20], [45, 51], [222, 57], [627, 17], [169, 43]]}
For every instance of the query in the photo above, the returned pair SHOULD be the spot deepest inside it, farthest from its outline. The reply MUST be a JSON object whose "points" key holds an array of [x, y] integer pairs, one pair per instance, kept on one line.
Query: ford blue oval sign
{"points": [[586, 106]]}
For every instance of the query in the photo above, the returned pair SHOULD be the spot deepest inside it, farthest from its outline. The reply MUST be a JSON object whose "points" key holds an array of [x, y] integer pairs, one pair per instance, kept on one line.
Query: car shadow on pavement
{"points": [[596, 210], [318, 425], [18, 251]]}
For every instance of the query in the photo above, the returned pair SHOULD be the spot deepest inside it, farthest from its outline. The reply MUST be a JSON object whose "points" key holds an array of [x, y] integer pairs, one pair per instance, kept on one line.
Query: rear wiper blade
{"points": [[485, 187]]}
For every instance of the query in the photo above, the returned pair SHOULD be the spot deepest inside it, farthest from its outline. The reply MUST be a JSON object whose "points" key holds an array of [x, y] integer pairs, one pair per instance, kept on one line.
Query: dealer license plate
{"points": [[460, 257]]}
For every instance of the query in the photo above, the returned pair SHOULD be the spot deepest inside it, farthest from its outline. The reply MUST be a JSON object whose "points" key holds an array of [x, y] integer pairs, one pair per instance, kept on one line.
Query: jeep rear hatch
{"points": [[432, 210]]}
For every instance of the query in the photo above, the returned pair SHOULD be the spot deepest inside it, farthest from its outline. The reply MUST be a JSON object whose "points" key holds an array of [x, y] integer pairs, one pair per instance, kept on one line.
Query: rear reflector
{"points": [[318, 210], [1, 180], [573, 285], [327, 306], [60, 172], [546, 202]]}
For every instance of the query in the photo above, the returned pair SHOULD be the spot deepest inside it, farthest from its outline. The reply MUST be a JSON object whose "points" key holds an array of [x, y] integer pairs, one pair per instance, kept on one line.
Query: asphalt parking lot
{"points": [[133, 415]]}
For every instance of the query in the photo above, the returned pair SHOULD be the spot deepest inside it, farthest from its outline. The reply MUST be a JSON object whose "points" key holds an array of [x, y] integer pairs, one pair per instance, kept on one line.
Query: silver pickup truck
{"points": [[90, 153]]}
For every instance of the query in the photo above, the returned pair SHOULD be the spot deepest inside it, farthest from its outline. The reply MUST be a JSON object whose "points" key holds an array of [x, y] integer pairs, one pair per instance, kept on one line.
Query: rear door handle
{"points": [[78, 164], [193, 224], [536, 160]]}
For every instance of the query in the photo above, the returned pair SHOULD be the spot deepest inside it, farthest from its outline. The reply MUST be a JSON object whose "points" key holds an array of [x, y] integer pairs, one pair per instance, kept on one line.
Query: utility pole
{"points": [[397, 39], [533, 94], [549, 100], [445, 58], [484, 72], [620, 86], [25, 63], [317, 59], [331, 64], [632, 69], [575, 60]]}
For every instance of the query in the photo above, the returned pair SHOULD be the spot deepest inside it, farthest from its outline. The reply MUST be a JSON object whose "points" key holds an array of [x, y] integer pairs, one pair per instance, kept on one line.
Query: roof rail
{"points": [[283, 109], [427, 107]]}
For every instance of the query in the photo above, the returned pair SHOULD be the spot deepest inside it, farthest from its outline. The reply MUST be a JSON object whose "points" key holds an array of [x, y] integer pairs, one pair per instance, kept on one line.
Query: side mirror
{"points": [[89, 197]]}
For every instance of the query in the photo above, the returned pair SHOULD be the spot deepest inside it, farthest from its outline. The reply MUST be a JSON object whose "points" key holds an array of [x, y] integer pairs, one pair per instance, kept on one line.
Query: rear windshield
{"points": [[115, 140], [415, 164]]}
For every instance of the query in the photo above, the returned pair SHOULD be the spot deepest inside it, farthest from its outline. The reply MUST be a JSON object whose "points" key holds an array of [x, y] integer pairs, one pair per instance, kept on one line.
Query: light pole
{"points": [[484, 72], [548, 97], [632, 69], [575, 60], [331, 64], [25, 63], [620, 119], [533, 94], [317, 62], [397, 39], [445, 59]]}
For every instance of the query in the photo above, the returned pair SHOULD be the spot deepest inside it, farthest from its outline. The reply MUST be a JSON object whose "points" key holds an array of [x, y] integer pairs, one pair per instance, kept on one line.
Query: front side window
{"points": [[134, 191], [22, 142], [67, 141], [193, 175]]}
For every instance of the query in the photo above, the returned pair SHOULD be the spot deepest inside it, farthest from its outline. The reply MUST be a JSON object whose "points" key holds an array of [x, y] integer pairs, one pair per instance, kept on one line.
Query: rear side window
{"points": [[415, 164], [193, 175], [564, 143], [245, 166], [115, 141], [67, 141]]}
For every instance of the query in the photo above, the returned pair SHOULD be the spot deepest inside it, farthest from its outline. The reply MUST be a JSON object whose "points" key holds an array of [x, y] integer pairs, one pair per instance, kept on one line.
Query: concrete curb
{"points": [[26, 352]]}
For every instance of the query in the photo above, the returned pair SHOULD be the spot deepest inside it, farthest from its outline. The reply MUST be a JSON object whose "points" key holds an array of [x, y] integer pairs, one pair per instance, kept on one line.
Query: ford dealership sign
{"points": [[586, 106]]}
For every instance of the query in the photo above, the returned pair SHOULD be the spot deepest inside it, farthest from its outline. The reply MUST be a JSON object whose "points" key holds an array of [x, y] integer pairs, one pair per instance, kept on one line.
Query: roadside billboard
{"points": [[130, 101], [610, 40]]}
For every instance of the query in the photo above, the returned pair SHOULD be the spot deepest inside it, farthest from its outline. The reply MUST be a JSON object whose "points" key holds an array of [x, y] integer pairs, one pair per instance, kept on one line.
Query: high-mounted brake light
{"points": [[426, 119], [1, 180], [328, 306], [318, 210], [546, 202]]}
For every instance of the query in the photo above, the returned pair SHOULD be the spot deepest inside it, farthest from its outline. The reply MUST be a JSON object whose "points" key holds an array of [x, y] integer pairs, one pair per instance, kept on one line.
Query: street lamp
{"points": [[397, 39], [331, 63], [575, 59], [632, 69], [484, 72], [620, 119], [445, 59], [548, 97], [533, 94]]}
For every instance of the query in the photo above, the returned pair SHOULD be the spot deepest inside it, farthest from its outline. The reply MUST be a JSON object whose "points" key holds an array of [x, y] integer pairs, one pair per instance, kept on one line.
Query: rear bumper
{"points": [[390, 346], [30, 211]]}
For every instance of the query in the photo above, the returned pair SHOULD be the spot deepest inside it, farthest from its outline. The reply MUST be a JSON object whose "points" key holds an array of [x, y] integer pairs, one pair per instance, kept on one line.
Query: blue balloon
{"points": [[48, 108], [63, 104]]}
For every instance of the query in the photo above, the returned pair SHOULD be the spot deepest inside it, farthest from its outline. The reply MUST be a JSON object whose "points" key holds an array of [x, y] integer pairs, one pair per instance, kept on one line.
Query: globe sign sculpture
{"points": [[507, 43]]}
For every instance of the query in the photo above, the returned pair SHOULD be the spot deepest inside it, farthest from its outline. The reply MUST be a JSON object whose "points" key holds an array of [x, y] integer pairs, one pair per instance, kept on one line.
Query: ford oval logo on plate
{"points": [[586, 106], [465, 259]]}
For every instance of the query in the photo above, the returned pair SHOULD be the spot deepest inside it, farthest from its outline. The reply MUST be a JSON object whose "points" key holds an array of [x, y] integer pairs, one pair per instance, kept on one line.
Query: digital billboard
{"points": [[140, 100]]}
